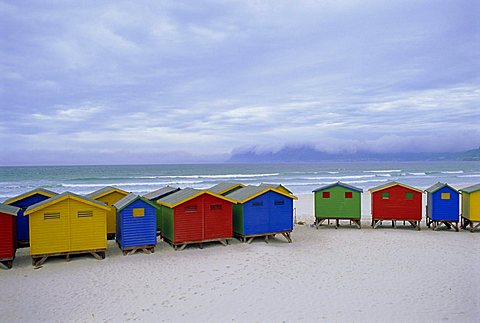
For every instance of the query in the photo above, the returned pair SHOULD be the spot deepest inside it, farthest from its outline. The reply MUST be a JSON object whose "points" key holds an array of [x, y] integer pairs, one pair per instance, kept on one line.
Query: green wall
{"points": [[167, 229], [237, 211], [337, 206]]}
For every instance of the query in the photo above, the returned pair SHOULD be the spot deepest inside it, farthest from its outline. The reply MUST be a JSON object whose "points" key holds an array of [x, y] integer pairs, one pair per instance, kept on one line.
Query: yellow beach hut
{"points": [[471, 207], [67, 224], [109, 195]]}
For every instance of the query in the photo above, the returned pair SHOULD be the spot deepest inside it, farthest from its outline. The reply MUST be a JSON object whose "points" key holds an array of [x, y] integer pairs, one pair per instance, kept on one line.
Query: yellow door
{"points": [[88, 227]]}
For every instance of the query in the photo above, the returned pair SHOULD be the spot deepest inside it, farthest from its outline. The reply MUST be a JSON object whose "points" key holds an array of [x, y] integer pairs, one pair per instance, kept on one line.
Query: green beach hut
{"points": [[337, 201]]}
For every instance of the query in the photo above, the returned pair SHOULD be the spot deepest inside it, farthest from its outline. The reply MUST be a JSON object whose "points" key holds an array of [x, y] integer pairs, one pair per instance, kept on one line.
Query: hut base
{"points": [[414, 223], [148, 249], [474, 225], [110, 236], [435, 224], [354, 221], [6, 262], [38, 260], [182, 245], [23, 244], [250, 237]]}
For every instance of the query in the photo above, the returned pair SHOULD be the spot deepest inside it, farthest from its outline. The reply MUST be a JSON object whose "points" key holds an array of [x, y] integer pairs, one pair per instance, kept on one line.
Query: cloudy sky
{"points": [[166, 81]]}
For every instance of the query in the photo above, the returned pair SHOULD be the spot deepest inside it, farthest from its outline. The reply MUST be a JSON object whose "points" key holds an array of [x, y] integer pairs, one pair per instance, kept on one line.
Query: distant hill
{"points": [[307, 154]]}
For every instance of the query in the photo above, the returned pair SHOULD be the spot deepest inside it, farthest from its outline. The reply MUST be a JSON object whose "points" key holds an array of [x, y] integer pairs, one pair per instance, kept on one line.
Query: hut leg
{"points": [[145, 250], [223, 242], [200, 245], [358, 224], [39, 261], [250, 240], [3, 264], [67, 257], [182, 247], [287, 236], [266, 239], [337, 223], [96, 255]]}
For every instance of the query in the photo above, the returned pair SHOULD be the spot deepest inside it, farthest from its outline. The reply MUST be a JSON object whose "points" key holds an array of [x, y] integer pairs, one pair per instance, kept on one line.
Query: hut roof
{"points": [[63, 196], [161, 192], [471, 189], [129, 199], [38, 190], [8, 209], [276, 186], [435, 187], [185, 195], [223, 187], [104, 191], [390, 184], [250, 192], [347, 186]]}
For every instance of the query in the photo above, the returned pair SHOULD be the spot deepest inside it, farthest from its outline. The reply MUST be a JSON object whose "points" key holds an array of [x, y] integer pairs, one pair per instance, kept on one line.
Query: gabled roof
{"points": [[161, 192], [250, 192], [276, 186], [223, 187], [129, 199], [104, 191], [185, 195], [64, 196], [8, 209], [471, 189], [390, 184], [348, 187], [38, 190], [435, 187]]}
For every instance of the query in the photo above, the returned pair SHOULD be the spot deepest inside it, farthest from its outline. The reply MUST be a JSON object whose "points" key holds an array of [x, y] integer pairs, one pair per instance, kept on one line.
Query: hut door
{"points": [[217, 218]]}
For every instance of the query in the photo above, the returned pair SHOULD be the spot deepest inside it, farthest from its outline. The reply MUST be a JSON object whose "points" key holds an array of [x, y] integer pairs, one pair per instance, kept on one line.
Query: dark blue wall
{"points": [[271, 216], [443, 210], [137, 231]]}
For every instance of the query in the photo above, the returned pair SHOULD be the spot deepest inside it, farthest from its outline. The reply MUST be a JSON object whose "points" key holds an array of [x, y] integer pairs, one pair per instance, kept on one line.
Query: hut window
{"points": [[51, 216], [445, 196], [138, 212], [191, 208], [279, 202], [84, 214], [215, 206], [409, 195], [385, 195], [257, 203], [348, 195], [326, 195]]}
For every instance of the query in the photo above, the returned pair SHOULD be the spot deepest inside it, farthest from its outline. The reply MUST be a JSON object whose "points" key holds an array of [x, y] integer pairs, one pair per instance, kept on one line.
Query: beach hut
{"points": [[136, 224], [109, 195], [23, 201], [225, 188], [396, 202], [443, 206], [157, 195], [67, 224], [471, 207], [337, 201], [195, 216], [262, 211], [8, 216]]}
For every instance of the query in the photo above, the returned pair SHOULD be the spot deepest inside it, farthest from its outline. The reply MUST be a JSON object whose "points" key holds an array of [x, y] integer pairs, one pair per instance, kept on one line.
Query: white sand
{"points": [[324, 275]]}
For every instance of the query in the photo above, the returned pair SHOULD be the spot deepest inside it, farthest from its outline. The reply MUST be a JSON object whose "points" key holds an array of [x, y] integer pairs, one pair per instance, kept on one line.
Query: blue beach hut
{"points": [[443, 206], [23, 201], [136, 224], [262, 211]]}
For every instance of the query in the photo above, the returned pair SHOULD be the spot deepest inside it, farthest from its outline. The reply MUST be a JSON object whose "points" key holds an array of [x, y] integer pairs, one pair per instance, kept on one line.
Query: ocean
{"points": [[299, 178]]}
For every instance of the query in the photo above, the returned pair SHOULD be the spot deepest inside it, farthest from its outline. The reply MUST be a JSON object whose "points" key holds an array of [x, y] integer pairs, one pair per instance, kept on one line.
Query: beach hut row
{"points": [[395, 201], [68, 223]]}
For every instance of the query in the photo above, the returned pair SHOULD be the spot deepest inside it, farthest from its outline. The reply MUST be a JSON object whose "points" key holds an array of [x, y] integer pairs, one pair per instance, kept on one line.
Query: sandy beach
{"points": [[324, 275]]}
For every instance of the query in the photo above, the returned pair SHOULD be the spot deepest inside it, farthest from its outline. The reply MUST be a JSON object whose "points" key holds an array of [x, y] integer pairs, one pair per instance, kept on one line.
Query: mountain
{"points": [[307, 154]]}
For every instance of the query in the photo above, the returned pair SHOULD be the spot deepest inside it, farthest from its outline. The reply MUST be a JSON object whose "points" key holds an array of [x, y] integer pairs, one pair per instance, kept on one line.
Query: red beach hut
{"points": [[8, 218], [396, 202]]}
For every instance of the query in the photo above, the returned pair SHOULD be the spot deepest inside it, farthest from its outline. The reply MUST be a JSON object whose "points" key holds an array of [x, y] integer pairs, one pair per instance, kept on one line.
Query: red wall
{"points": [[204, 223], [7, 231], [397, 207]]}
